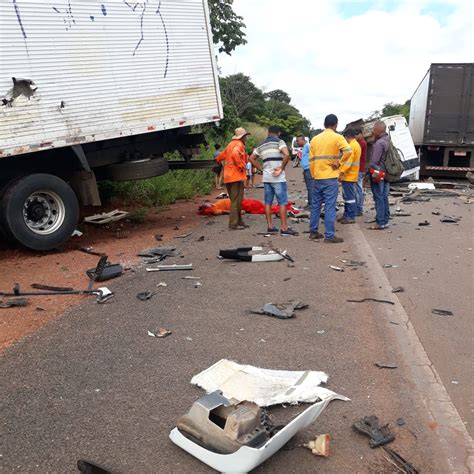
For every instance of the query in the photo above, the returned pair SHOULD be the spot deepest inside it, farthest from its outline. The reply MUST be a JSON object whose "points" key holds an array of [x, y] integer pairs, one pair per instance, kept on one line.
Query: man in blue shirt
{"points": [[304, 145]]}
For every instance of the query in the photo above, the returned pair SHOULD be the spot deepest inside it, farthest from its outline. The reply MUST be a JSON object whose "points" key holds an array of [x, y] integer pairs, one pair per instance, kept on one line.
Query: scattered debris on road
{"points": [[170, 268], [436, 212], [398, 289], [353, 263], [183, 236], [379, 435], [247, 437], [401, 464], [370, 299], [161, 334], [424, 224], [145, 295], [400, 422], [320, 445], [337, 269], [87, 467], [90, 251], [106, 271], [389, 265], [162, 284], [450, 219], [262, 386], [280, 311], [159, 252], [106, 217], [442, 312], [14, 303], [248, 254], [383, 365]]}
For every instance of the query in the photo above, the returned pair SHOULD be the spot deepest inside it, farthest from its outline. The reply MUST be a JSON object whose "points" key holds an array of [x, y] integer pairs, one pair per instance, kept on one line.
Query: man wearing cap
{"points": [[234, 159]]}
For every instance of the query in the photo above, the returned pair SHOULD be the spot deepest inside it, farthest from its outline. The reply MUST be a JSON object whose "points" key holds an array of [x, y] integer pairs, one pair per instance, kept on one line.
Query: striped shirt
{"points": [[270, 152]]}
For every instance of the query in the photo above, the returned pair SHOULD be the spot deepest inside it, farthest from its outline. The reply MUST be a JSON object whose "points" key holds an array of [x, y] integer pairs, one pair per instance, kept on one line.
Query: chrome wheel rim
{"points": [[44, 212]]}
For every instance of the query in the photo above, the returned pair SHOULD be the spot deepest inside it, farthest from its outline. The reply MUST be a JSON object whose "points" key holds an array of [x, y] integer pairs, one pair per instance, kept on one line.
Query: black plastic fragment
{"points": [[442, 312], [145, 295], [87, 467], [14, 303], [369, 426]]}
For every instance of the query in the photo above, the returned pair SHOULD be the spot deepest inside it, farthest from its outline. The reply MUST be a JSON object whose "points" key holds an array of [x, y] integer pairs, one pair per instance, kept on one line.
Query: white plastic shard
{"points": [[246, 459], [264, 387]]}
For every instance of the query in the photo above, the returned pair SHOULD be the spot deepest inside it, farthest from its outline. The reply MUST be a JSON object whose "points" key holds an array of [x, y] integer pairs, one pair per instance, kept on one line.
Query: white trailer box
{"points": [[91, 90], [93, 70]]}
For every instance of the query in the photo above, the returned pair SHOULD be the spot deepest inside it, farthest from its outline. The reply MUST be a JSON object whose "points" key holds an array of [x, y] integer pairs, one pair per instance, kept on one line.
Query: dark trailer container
{"points": [[442, 120]]}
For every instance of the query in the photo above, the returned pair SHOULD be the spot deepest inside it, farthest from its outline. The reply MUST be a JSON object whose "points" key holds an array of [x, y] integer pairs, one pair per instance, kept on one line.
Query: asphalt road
{"points": [[435, 266], [93, 385]]}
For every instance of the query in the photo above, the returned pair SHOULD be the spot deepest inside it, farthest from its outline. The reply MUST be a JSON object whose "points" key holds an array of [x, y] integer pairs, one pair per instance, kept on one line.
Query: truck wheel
{"points": [[40, 211], [134, 170]]}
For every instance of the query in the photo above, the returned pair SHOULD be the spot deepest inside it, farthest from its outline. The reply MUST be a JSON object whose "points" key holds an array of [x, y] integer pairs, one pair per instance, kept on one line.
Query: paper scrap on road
{"points": [[263, 386]]}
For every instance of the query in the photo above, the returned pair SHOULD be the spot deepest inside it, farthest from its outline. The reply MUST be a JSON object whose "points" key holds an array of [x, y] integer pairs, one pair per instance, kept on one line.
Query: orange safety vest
{"points": [[234, 159]]}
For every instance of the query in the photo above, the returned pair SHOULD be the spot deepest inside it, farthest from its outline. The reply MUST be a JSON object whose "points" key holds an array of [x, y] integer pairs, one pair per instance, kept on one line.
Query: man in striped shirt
{"points": [[326, 151], [275, 156]]}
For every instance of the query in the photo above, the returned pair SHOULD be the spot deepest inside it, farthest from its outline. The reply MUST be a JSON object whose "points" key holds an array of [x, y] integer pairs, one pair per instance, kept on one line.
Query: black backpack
{"points": [[393, 164]]}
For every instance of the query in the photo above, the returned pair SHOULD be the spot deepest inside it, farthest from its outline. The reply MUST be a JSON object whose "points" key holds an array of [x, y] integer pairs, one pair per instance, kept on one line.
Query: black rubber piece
{"points": [[11, 211], [134, 170]]}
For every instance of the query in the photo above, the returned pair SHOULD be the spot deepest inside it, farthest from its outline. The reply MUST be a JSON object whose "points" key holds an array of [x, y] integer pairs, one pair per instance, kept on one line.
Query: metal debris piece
{"points": [[401, 464], [353, 263], [398, 289], [159, 252], [90, 251], [169, 268], [280, 311], [86, 467], [162, 284], [191, 278], [320, 445], [249, 254], [337, 269], [424, 224], [161, 334], [383, 365], [370, 299], [14, 303], [442, 312], [39, 286], [201, 239], [183, 236], [369, 426], [104, 295], [197, 284], [389, 265], [450, 219], [107, 272], [436, 213], [145, 295], [106, 217], [400, 422]]}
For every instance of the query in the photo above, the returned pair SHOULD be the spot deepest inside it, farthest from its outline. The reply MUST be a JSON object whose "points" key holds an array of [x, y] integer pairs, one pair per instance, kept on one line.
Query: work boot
{"points": [[315, 236], [347, 221], [334, 240]]}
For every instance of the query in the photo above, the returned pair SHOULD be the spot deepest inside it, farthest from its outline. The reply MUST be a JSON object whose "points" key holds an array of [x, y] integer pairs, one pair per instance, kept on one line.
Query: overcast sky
{"points": [[349, 57]]}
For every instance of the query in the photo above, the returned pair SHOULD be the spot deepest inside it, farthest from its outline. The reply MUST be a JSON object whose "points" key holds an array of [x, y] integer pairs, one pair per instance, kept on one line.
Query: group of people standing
{"points": [[329, 159]]}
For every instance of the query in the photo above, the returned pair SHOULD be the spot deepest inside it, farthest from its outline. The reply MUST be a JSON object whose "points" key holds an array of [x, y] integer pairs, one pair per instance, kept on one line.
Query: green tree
{"points": [[242, 96], [391, 109], [227, 27], [279, 95]]}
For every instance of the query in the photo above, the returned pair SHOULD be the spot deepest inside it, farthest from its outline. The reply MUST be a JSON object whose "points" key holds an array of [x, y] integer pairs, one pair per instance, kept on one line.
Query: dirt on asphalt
{"points": [[66, 267], [92, 384]]}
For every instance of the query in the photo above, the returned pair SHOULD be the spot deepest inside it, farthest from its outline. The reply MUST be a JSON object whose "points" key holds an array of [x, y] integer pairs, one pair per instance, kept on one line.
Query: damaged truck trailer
{"points": [[442, 120], [95, 90]]}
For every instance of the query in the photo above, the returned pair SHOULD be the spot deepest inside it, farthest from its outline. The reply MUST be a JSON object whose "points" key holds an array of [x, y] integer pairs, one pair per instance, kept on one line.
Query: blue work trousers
{"points": [[349, 195], [380, 192], [308, 179], [324, 191]]}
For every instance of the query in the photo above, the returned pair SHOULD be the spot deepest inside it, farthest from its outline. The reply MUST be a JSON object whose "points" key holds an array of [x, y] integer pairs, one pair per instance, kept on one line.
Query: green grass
{"points": [[159, 191]]}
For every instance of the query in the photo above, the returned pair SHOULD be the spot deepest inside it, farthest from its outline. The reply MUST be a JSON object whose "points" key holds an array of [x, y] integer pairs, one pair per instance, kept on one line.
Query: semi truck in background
{"points": [[91, 91], [442, 120]]}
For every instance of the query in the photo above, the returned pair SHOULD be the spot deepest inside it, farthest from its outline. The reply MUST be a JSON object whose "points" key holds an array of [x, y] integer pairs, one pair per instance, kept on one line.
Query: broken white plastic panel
{"points": [[246, 459], [421, 186], [106, 217], [262, 386]]}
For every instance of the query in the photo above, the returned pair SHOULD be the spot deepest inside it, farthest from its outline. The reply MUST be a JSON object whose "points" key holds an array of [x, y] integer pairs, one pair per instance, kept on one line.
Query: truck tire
{"points": [[39, 211], [134, 170]]}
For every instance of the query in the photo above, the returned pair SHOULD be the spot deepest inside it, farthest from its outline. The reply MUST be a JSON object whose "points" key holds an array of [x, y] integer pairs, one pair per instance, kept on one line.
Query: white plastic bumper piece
{"points": [[246, 459]]}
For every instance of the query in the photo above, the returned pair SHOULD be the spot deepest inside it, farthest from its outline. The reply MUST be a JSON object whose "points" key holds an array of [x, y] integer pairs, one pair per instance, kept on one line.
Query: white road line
{"points": [[455, 441]]}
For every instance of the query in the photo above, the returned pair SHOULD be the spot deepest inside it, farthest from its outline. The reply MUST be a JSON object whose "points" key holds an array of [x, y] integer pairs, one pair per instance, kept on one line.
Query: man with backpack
{"points": [[378, 179]]}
